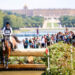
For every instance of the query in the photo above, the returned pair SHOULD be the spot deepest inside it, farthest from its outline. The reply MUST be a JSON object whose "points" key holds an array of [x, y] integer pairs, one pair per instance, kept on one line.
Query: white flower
{"points": [[48, 69]]}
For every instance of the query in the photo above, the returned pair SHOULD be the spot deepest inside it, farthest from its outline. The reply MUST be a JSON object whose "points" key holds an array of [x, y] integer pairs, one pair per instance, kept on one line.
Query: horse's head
{"points": [[14, 40]]}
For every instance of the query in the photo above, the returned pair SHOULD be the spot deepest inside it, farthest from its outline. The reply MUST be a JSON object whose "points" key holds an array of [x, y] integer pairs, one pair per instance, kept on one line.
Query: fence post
{"points": [[71, 58], [48, 62]]}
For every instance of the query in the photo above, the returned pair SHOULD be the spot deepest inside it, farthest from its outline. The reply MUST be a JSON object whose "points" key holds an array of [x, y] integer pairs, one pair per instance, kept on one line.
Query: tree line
{"points": [[68, 21], [17, 20]]}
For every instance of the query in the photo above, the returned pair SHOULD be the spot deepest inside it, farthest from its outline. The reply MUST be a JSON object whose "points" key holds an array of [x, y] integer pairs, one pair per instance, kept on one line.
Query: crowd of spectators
{"points": [[47, 40]]}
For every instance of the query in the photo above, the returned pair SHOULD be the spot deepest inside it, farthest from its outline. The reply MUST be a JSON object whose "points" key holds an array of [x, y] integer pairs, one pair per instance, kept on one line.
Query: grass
{"points": [[49, 25], [73, 73], [21, 30], [56, 25]]}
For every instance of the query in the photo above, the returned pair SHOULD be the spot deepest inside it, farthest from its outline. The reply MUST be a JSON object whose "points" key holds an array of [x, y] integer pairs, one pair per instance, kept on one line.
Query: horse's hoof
{"points": [[6, 67]]}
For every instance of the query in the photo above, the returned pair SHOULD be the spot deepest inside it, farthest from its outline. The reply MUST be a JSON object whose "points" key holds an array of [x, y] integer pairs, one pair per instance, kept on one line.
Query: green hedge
{"points": [[60, 59]]}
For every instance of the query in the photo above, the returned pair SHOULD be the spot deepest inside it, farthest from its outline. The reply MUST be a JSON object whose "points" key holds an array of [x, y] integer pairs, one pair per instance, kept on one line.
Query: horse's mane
{"points": [[17, 40]]}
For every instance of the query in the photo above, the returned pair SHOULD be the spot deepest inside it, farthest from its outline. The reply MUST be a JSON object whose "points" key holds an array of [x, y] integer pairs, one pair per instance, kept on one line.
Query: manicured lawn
{"points": [[56, 25], [49, 25]]}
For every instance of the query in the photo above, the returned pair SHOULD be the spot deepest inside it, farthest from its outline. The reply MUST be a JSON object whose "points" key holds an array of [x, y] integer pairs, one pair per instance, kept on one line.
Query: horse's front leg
{"points": [[7, 57], [4, 58]]}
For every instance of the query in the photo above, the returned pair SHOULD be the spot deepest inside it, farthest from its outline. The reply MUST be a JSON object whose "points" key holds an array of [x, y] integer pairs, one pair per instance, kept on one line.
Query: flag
{"points": [[46, 50]]}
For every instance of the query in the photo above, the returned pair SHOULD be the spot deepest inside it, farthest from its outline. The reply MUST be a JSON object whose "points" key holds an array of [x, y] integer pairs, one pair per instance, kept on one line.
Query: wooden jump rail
{"points": [[24, 66], [26, 52]]}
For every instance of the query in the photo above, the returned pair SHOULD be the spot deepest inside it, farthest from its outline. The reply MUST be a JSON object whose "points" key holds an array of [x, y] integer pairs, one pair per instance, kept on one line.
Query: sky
{"points": [[36, 4]]}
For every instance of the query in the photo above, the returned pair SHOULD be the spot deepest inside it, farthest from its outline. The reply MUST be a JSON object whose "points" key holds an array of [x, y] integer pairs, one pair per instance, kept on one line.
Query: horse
{"points": [[6, 53]]}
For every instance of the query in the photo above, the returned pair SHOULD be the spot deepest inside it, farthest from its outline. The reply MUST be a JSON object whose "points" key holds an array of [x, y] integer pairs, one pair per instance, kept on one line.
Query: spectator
{"points": [[42, 42], [46, 40], [26, 43]]}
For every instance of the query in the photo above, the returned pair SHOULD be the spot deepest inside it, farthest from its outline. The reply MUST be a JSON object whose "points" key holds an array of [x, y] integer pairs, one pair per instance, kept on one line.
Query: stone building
{"points": [[56, 13]]}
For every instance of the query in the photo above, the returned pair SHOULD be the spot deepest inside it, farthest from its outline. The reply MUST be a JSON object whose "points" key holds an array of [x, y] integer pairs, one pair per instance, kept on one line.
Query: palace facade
{"points": [[56, 13]]}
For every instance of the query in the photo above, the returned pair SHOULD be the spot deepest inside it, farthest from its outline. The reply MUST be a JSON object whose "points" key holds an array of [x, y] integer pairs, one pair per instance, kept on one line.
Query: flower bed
{"points": [[25, 60]]}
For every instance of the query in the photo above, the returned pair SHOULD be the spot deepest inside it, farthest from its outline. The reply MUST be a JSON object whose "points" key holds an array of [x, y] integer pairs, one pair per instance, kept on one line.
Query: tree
{"points": [[6, 19], [17, 20], [1, 19], [68, 21]]}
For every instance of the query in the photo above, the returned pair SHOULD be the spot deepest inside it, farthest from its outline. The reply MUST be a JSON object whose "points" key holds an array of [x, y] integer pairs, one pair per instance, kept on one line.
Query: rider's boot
{"points": [[11, 46]]}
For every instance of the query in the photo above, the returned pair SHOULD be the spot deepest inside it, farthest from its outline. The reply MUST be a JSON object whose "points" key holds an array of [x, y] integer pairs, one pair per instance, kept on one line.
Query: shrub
{"points": [[60, 59]]}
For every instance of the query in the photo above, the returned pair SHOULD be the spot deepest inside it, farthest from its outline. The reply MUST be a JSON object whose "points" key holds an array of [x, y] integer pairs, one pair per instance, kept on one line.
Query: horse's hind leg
{"points": [[3, 59]]}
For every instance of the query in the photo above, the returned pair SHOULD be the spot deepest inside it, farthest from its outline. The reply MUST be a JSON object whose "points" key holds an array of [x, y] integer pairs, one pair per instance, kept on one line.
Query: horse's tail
{"points": [[17, 40]]}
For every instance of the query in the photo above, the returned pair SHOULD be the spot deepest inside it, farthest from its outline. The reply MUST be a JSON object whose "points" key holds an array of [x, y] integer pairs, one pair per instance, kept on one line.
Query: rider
{"points": [[7, 32]]}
